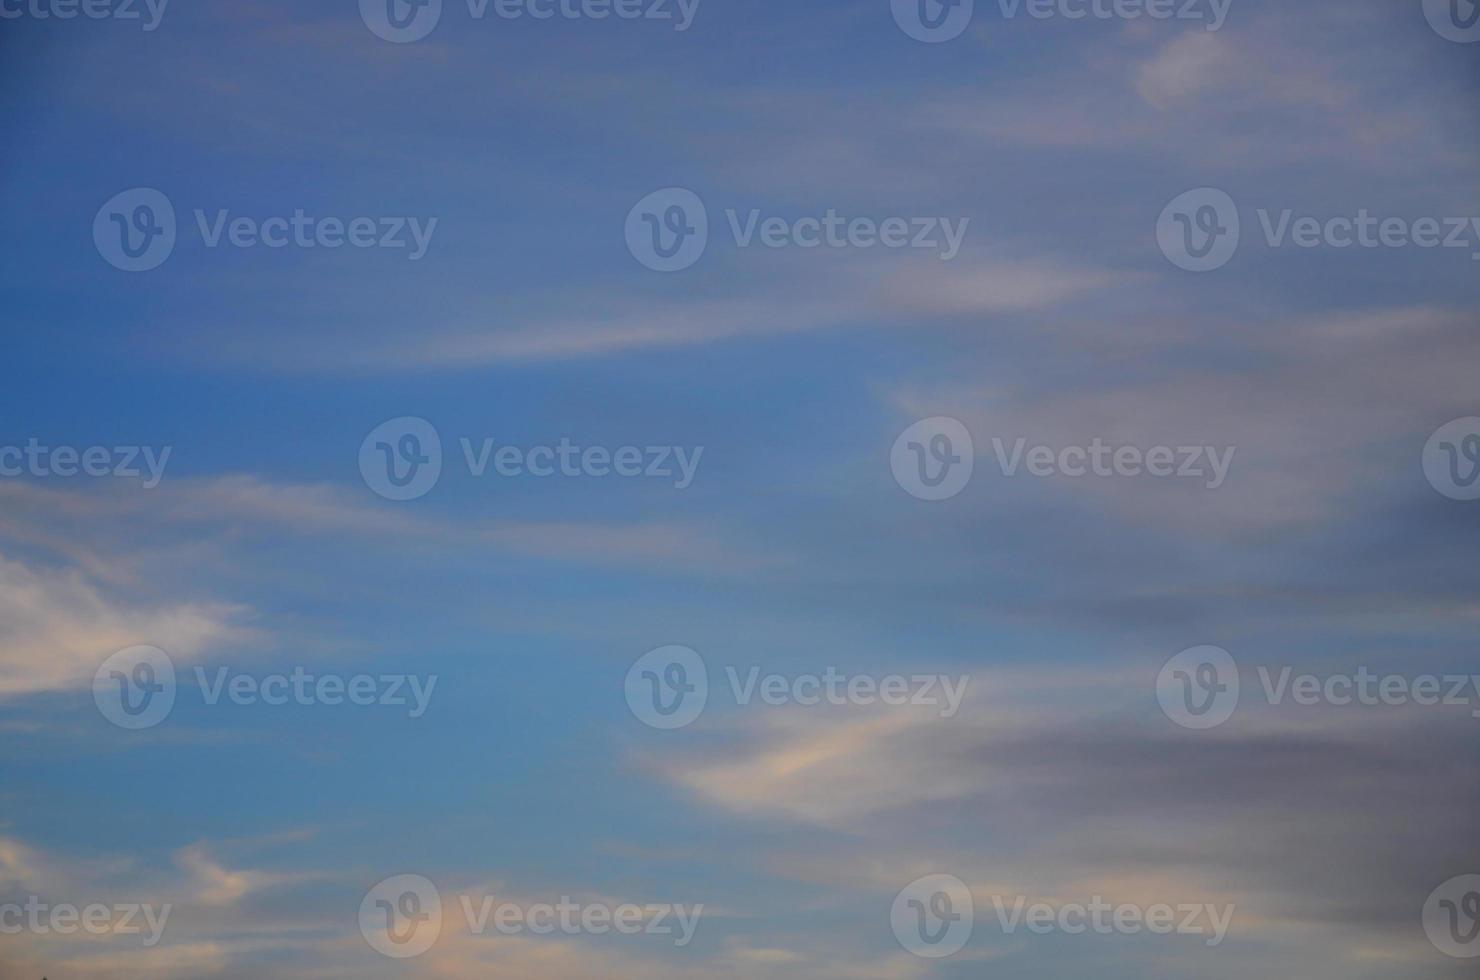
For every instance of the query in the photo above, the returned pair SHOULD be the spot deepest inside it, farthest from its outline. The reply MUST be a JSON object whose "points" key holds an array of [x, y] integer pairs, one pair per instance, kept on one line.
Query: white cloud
{"points": [[56, 627], [1185, 69]]}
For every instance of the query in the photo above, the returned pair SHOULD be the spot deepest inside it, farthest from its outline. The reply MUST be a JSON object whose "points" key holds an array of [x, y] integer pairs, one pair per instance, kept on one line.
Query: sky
{"points": [[814, 482]]}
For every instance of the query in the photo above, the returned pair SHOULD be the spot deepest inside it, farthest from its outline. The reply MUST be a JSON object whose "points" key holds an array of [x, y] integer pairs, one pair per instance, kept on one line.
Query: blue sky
{"points": [[796, 547]]}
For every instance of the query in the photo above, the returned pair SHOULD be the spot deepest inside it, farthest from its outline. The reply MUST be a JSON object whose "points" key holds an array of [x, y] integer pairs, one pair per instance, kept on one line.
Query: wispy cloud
{"points": [[59, 626]]}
